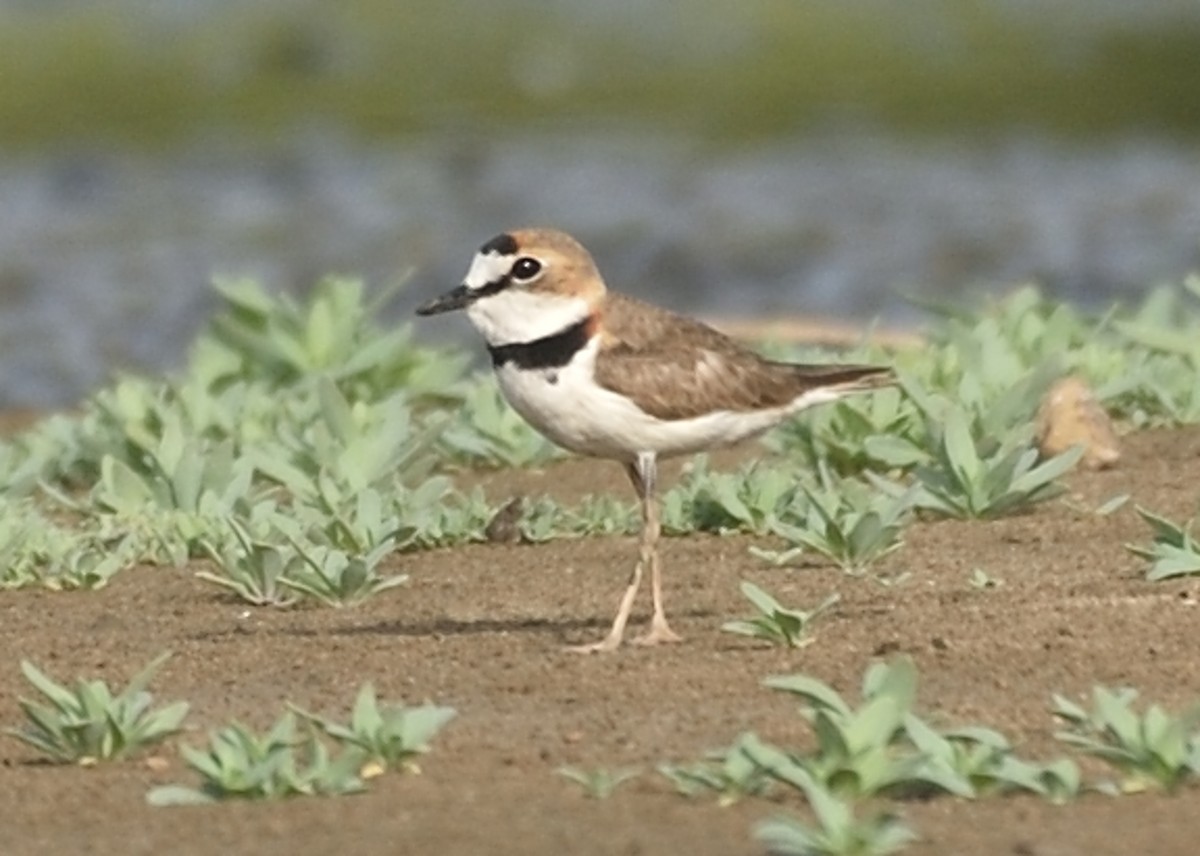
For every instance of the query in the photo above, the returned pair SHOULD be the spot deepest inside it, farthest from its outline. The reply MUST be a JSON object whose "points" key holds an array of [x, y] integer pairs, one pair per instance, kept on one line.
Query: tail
{"points": [[818, 384], [842, 377]]}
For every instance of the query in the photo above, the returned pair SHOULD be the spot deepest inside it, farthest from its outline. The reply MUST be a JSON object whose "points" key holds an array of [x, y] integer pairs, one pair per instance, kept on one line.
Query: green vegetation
{"points": [[303, 445], [1173, 553], [846, 522], [82, 69], [335, 578], [598, 783], [884, 748], [875, 432], [775, 622], [838, 832], [881, 748], [861, 751], [253, 570], [393, 736], [754, 499], [962, 482], [1152, 749], [239, 764], [295, 451], [37, 550], [90, 722], [732, 774]]}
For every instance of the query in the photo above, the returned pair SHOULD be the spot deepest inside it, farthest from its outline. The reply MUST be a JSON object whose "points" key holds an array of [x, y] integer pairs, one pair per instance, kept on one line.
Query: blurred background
{"points": [[729, 159]]}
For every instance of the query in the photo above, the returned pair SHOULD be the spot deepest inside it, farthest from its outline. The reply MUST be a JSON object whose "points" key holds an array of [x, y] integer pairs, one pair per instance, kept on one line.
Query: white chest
{"points": [[567, 405]]}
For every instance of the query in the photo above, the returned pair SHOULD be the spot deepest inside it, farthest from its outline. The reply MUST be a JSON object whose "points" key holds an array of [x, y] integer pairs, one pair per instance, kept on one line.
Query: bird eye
{"points": [[526, 268]]}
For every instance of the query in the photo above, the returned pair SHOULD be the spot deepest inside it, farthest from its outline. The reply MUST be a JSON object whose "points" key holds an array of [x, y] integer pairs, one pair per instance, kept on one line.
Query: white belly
{"points": [[573, 411]]}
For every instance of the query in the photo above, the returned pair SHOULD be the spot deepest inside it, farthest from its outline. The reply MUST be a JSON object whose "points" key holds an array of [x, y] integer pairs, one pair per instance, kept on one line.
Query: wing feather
{"points": [[675, 367]]}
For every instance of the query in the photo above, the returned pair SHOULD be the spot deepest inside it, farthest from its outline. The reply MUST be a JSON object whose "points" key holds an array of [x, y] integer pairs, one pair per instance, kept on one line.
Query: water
{"points": [[105, 259]]}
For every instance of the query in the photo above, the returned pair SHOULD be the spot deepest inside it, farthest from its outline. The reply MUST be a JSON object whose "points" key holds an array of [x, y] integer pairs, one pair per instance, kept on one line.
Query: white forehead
{"points": [[487, 268]]}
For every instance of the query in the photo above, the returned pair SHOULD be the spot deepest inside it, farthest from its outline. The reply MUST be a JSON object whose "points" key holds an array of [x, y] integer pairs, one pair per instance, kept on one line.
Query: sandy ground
{"points": [[482, 629]]}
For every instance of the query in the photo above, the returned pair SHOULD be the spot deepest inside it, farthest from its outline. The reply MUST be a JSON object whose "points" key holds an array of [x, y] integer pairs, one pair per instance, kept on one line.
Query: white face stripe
{"points": [[487, 268], [514, 315]]}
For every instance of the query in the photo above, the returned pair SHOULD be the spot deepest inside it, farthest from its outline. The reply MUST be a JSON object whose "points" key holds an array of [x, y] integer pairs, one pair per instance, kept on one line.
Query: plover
{"points": [[606, 375]]}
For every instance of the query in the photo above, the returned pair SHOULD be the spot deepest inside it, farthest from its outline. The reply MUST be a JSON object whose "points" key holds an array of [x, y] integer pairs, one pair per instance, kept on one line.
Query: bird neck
{"points": [[548, 352]]}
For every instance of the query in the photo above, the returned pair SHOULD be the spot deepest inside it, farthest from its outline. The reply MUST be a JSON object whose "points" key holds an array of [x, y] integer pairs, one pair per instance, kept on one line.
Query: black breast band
{"points": [[549, 352]]}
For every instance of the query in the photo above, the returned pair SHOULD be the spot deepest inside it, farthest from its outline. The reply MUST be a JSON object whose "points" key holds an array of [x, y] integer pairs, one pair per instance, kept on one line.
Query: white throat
{"points": [[514, 316]]}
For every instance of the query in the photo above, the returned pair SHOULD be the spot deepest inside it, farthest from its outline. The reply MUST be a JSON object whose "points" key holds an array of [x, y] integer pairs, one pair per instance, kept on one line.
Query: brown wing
{"points": [[674, 367]]}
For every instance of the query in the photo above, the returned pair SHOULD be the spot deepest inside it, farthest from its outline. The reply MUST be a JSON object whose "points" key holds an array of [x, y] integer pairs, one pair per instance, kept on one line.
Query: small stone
{"points": [[157, 764], [1069, 415]]}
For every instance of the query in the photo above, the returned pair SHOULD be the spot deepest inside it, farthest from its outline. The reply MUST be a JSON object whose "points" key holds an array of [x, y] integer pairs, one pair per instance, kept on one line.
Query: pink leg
{"points": [[644, 478], [613, 640]]}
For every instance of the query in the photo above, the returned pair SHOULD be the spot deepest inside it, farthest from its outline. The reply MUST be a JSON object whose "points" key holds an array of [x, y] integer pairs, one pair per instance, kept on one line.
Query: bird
{"points": [[607, 375]]}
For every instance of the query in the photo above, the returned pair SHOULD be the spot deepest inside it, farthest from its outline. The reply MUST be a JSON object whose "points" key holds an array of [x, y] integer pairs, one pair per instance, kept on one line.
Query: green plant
{"points": [[336, 578], [753, 499], [35, 550], [1058, 781], [546, 518], [364, 521], [50, 451], [730, 773], [884, 747], [838, 832], [486, 431], [846, 522], [353, 445], [963, 482], [252, 568], [602, 515], [392, 736], [860, 751], [599, 783], [1161, 384], [360, 522], [455, 518], [1153, 749], [239, 764], [1173, 553], [21, 536], [87, 551], [90, 723], [150, 453], [775, 622], [880, 432], [86, 561], [997, 363], [985, 760], [273, 339]]}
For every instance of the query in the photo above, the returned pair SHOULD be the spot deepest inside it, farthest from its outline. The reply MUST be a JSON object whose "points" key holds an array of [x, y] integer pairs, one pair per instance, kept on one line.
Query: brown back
{"points": [[674, 367]]}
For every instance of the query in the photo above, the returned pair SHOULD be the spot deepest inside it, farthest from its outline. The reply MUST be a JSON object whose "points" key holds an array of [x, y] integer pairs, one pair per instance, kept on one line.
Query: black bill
{"points": [[456, 298]]}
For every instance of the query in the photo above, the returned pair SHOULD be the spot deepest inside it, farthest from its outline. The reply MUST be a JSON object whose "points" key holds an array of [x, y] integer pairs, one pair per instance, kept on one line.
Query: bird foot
{"points": [[605, 646], [659, 634]]}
